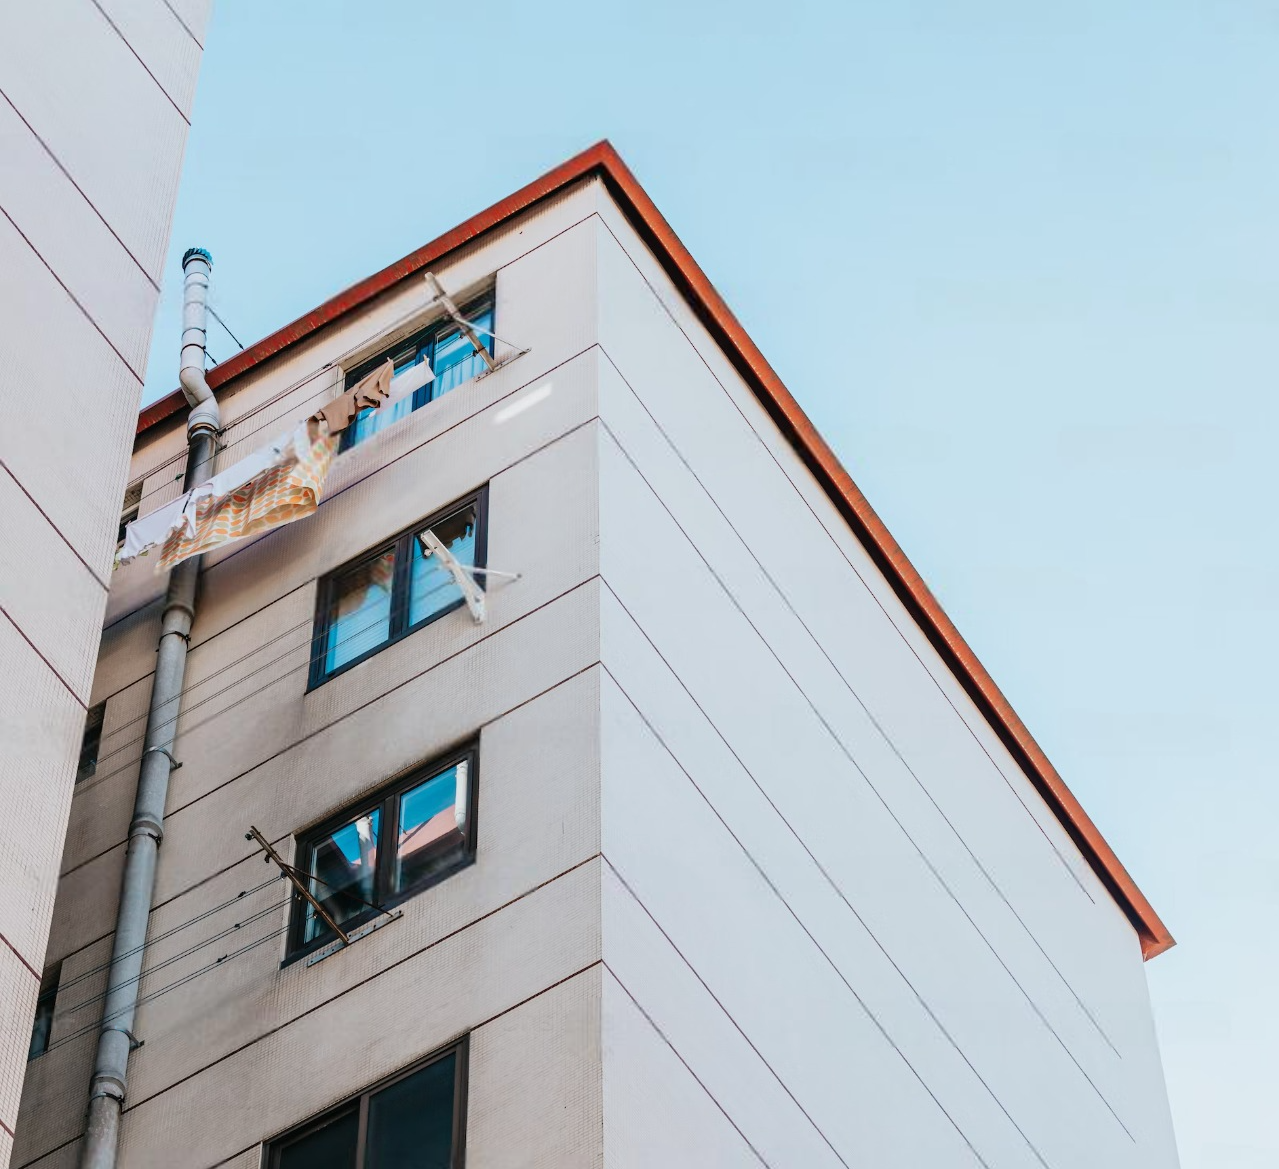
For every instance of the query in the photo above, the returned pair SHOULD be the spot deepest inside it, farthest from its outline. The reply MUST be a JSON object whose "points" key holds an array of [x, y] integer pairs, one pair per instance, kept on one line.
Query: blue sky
{"points": [[1019, 263]]}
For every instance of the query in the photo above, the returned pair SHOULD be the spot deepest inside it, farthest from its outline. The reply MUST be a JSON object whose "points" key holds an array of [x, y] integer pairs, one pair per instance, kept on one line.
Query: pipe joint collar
{"points": [[109, 1086], [146, 826], [204, 418]]}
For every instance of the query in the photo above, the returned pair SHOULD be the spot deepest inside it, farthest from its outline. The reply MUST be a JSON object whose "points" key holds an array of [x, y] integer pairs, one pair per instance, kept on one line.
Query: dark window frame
{"points": [[49, 983], [424, 341], [400, 626], [387, 798], [91, 742], [273, 1149]]}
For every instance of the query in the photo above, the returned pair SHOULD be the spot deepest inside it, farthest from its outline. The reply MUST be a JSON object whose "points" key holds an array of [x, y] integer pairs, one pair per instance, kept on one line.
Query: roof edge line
{"points": [[715, 315]]}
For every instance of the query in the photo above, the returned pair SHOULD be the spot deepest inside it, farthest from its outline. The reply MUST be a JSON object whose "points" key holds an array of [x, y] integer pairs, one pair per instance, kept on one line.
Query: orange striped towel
{"points": [[278, 496]]}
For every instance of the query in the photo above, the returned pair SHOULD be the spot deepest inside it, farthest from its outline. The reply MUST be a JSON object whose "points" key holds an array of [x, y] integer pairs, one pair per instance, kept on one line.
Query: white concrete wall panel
{"points": [[714, 651], [698, 1029], [860, 623], [122, 143], [165, 47], [17, 1008], [73, 240], [1022, 918], [51, 354], [49, 593], [460, 984], [655, 1112], [41, 739], [194, 17], [536, 1089]]}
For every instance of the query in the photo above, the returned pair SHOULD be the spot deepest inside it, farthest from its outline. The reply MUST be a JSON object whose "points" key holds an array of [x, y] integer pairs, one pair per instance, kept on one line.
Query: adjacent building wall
{"points": [[829, 892], [95, 102]]}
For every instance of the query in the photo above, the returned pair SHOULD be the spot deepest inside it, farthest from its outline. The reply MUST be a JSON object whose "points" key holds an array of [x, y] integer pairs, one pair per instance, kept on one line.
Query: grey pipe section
{"points": [[146, 831]]}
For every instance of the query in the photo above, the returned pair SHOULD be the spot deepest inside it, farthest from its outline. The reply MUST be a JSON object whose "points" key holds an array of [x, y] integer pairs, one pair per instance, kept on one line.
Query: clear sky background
{"points": [[1019, 263]]}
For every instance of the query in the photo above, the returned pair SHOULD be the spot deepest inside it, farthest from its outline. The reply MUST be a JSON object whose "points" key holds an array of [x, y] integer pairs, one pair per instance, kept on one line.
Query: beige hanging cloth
{"points": [[278, 496], [371, 390]]}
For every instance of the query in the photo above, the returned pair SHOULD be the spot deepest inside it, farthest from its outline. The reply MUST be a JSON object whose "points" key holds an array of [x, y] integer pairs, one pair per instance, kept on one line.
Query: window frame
{"points": [[424, 340], [461, 1048], [94, 718], [387, 799], [50, 982], [401, 591]]}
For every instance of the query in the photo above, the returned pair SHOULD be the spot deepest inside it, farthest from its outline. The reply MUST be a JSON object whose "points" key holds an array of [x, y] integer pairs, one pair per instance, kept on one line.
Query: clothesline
{"points": [[273, 486]]}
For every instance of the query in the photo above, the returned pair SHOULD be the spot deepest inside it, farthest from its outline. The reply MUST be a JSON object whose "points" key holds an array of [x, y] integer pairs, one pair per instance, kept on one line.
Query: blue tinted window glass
{"points": [[332, 1146], [431, 586], [343, 868], [360, 612], [455, 361]]}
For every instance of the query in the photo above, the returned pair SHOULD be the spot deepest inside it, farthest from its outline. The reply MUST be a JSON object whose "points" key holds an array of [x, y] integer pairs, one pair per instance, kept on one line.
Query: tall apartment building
{"points": [[95, 101], [705, 842]]}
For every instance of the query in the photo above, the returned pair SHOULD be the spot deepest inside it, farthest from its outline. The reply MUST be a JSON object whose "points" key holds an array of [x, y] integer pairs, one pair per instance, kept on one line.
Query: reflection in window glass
{"points": [[432, 818], [360, 611], [343, 866], [455, 358], [371, 421], [432, 586], [411, 1121]]}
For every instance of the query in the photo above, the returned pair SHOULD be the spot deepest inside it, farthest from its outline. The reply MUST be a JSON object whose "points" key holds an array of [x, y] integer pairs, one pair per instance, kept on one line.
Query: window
{"points": [[91, 742], [129, 510], [452, 357], [415, 1121], [397, 842], [393, 590], [43, 1022]]}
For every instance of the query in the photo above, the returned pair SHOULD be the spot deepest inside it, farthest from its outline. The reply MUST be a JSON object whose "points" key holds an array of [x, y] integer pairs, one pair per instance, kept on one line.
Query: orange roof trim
{"points": [[602, 161]]}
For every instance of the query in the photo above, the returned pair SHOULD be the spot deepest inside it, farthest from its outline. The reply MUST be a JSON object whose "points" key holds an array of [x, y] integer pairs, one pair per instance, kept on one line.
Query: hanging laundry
{"points": [[370, 391], [274, 485], [278, 496]]}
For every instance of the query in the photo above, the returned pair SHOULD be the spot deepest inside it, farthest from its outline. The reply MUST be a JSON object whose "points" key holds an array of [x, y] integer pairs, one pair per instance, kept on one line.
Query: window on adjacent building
{"points": [[414, 1121], [394, 589], [91, 741], [129, 509], [452, 357], [388, 847], [43, 1022]]}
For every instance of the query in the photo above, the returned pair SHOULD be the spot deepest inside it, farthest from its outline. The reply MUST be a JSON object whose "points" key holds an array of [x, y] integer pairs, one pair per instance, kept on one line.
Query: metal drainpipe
{"points": [[115, 1041]]}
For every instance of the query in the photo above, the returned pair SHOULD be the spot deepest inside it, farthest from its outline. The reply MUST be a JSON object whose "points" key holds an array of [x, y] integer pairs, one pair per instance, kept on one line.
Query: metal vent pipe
{"points": [[116, 1040]]}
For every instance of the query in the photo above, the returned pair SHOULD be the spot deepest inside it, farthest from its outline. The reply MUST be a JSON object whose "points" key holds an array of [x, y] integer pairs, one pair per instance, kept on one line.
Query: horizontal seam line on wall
{"points": [[93, 206], [18, 954], [874, 1019], [843, 748], [716, 1000], [883, 733], [47, 519], [88, 316], [381, 467], [794, 487], [687, 1067], [128, 45], [184, 24], [285, 836], [22, 633], [374, 976], [353, 711]]}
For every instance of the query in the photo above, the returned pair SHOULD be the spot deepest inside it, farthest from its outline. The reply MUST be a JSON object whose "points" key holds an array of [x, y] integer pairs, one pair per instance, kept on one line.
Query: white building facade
{"points": [[95, 102], [700, 848]]}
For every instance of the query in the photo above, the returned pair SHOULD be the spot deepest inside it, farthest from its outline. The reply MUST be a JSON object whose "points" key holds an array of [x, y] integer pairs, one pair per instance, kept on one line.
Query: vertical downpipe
{"points": [[115, 1040]]}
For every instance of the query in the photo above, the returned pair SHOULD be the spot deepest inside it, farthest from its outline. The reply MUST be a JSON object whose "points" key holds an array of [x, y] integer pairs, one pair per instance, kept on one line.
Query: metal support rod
{"points": [[460, 321], [287, 870]]}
